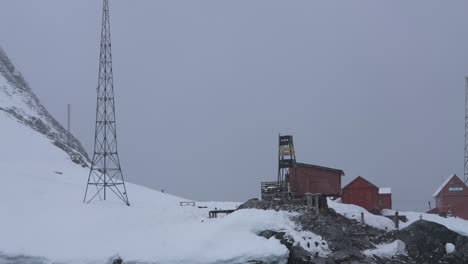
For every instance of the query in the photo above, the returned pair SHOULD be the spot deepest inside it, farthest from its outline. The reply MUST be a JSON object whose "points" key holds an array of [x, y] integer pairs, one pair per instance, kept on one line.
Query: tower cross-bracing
{"points": [[105, 175]]}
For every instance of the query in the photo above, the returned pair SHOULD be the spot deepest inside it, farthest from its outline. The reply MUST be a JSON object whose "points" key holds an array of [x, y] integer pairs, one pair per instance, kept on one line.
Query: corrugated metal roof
{"points": [[320, 167], [359, 177]]}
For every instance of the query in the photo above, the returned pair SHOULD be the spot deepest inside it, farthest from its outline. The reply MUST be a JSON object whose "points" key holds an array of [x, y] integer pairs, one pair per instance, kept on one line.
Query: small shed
{"points": [[451, 198], [308, 178], [363, 193], [385, 198]]}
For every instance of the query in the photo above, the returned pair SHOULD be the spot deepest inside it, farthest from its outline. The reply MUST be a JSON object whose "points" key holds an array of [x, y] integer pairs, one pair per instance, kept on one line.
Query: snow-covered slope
{"points": [[19, 101], [43, 215], [455, 224], [381, 222], [354, 212]]}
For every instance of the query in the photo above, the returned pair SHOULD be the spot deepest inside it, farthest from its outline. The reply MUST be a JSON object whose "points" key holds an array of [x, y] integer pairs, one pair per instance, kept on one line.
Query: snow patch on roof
{"points": [[443, 185], [385, 190]]}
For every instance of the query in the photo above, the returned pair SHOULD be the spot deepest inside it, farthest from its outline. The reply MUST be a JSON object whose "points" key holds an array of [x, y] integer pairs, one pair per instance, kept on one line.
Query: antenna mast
{"points": [[105, 172], [465, 174]]}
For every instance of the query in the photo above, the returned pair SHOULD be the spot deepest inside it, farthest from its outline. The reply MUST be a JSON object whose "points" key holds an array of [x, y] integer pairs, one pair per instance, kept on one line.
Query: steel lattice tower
{"points": [[105, 172], [465, 174], [286, 163]]}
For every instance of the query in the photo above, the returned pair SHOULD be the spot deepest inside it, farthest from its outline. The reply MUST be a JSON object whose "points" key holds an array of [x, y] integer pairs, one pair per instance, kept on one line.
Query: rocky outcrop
{"points": [[425, 242], [347, 239], [27, 109]]}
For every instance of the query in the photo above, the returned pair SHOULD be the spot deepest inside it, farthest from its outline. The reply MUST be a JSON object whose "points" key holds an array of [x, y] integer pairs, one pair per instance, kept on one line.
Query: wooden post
{"points": [[362, 217], [316, 204], [309, 200], [397, 220]]}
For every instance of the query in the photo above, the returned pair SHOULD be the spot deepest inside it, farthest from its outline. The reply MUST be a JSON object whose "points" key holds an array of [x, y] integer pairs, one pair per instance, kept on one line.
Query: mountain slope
{"points": [[19, 101], [43, 216], [44, 219]]}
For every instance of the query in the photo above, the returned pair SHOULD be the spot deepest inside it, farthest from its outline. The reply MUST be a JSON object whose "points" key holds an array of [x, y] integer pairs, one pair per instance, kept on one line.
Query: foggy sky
{"points": [[204, 87]]}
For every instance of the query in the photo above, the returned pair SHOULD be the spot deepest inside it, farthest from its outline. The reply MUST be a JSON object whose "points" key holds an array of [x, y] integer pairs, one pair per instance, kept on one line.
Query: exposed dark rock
{"points": [[281, 236], [117, 261], [285, 240], [15, 259], [42, 122], [347, 255], [425, 242], [273, 205], [298, 255], [340, 232], [267, 234]]}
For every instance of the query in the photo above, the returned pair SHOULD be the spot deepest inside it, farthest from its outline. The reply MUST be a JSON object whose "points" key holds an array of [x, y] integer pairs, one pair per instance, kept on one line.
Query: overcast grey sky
{"points": [[375, 88]]}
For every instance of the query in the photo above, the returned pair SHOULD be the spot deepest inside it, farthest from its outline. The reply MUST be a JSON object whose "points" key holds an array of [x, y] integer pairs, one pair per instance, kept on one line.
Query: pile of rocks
{"points": [[425, 241]]}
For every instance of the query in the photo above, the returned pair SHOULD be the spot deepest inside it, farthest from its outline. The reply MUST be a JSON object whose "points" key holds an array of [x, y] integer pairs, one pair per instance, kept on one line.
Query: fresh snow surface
{"points": [[389, 250], [44, 216], [454, 223], [352, 211], [449, 248], [443, 185], [385, 190]]}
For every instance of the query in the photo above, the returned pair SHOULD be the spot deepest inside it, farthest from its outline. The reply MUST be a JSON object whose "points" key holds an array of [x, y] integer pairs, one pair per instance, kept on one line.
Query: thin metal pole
{"points": [[68, 124], [465, 172]]}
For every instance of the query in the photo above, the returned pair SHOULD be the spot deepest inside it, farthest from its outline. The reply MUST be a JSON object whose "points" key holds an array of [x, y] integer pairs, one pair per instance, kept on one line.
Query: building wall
{"points": [[385, 201], [452, 201], [306, 179], [361, 193]]}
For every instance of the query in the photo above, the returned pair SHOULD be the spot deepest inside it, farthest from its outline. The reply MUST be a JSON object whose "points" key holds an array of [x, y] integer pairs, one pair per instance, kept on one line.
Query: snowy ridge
{"points": [[18, 100]]}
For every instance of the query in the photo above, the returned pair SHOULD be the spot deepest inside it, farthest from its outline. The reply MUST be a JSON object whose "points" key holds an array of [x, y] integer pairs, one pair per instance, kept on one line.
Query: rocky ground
{"points": [[425, 241]]}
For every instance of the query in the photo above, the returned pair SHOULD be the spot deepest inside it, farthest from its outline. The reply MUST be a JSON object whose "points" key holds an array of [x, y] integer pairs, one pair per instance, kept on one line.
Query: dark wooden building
{"points": [[451, 198], [363, 193], [307, 178]]}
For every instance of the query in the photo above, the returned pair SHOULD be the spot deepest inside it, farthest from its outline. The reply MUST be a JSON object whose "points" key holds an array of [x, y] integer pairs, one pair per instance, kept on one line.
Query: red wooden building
{"points": [[451, 198], [307, 178], [363, 193]]}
